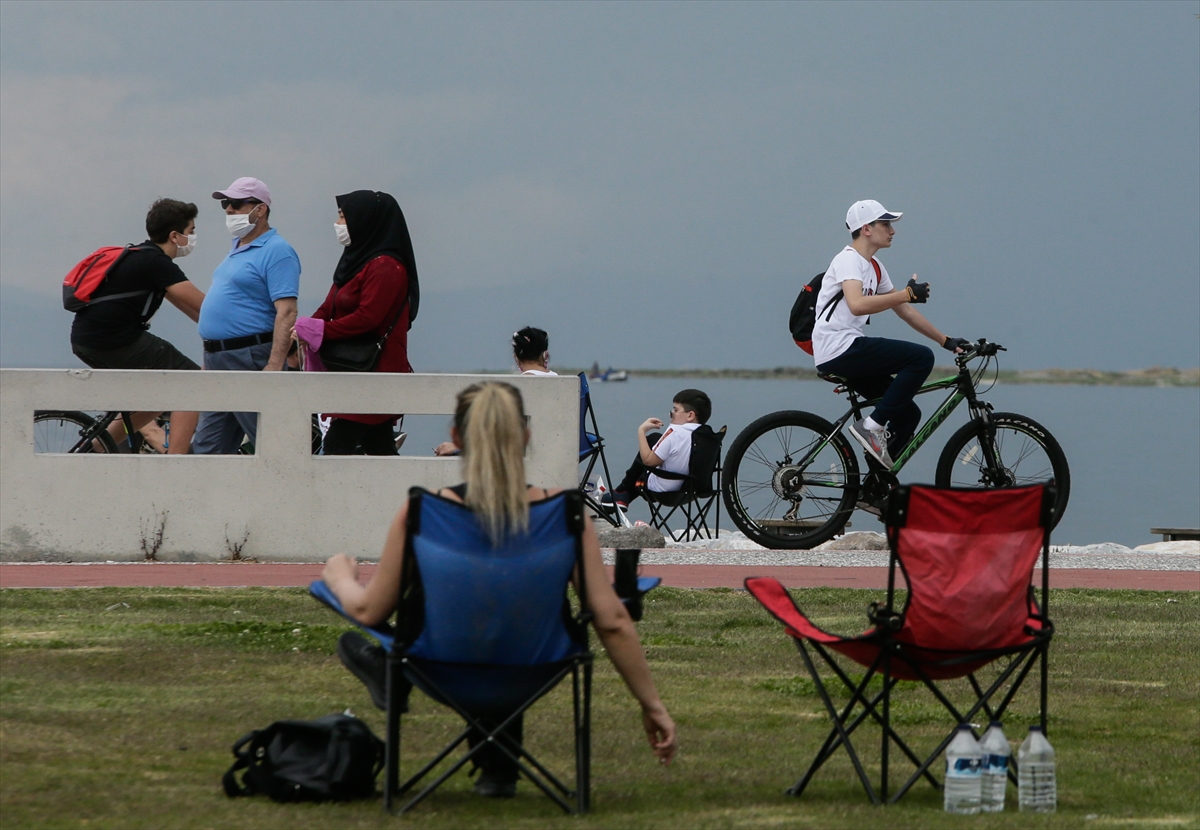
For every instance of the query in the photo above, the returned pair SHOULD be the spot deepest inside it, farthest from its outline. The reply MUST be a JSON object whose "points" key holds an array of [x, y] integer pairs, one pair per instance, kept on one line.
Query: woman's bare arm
{"points": [[615, 629], [373, 603]]}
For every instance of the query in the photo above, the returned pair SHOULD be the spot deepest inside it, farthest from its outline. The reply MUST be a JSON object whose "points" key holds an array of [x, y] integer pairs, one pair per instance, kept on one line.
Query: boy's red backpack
{"points": [[79, 288]]}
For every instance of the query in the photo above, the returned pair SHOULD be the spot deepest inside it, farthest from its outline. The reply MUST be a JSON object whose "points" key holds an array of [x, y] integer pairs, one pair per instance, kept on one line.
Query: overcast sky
{"points": [[652, 183]]}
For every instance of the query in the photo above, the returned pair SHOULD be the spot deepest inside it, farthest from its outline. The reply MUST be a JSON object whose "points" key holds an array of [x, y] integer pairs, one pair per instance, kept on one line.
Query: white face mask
{"points": [[239, 224], [184, 250], [343, 233]]}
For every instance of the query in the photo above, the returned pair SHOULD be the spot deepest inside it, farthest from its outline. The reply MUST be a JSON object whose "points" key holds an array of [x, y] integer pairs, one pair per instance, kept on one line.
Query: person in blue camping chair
{"points": [[490, 427]]}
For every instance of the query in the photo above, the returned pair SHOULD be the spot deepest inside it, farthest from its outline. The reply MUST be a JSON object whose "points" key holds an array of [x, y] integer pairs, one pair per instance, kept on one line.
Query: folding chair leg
{"points": [[391, 751], [839, 727], [583, 739], [1024, 662], [858, 697], [1044, 656], [539, 776], [887, 724]]}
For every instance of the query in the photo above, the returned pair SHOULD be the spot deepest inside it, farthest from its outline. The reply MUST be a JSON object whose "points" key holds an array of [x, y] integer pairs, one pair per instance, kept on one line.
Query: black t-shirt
{"points": [[117, 323]]}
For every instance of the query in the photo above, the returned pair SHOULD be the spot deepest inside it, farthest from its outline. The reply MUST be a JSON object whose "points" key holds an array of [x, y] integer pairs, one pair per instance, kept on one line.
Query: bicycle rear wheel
{"points": [[59, 432], [777, 494], [1026, 452]]}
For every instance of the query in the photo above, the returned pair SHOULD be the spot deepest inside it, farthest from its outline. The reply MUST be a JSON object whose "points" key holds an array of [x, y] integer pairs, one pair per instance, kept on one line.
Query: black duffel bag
{"points": [[334, 758]]}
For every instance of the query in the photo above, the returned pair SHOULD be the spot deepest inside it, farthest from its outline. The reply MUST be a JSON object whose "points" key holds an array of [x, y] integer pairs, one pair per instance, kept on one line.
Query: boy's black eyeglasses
{"points": [[238, 204]]}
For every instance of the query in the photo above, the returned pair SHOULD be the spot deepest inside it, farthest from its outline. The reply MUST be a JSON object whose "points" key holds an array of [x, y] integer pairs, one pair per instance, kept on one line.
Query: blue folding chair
{"points": [[591, 450], [488, 631]]}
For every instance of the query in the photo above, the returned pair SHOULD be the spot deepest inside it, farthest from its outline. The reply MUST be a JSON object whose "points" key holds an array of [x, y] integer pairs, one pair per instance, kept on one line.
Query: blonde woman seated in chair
{"points": [[490, 427]]}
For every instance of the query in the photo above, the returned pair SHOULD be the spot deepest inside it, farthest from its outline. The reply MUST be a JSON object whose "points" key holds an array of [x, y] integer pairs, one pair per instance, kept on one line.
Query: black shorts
{"points": [[147, 352]]}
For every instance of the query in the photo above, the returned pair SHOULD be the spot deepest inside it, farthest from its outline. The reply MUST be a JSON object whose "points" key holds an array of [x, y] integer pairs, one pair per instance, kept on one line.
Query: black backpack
{"points": [[804, 312], [336, 758]]}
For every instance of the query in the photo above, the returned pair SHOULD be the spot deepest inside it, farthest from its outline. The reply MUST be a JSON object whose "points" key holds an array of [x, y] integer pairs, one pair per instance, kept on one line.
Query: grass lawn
{"points": [[118, 708]]}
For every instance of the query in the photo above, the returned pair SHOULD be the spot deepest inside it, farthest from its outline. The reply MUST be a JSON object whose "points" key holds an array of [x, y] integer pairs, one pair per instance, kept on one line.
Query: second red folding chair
{"points": [[967, 557]]}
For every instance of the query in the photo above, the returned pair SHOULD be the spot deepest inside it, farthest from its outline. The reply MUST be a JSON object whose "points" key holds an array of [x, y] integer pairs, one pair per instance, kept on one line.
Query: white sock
{"points": [[871, 425]]}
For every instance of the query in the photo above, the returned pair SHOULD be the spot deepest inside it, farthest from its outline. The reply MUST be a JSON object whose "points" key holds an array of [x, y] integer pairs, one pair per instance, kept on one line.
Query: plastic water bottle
{"points": [[995, 768], [964, 761], [1036, 791]]}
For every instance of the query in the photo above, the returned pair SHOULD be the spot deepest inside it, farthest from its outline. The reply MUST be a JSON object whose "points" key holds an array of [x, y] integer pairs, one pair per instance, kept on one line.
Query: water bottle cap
{"points": [[1035, 728], [996, 724]]}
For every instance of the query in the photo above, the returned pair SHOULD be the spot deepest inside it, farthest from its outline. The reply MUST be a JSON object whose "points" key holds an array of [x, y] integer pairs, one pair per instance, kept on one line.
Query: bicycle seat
{"points": [[835, 379]]}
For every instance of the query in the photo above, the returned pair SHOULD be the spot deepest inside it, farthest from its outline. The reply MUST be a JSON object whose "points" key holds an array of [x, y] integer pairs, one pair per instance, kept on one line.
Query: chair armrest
{"points": [[385, 634], [633, 604], [629, 587]]}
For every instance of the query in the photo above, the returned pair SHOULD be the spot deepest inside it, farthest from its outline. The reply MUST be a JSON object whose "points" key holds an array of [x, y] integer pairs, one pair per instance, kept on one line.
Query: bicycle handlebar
{"points": [[981, 348]]}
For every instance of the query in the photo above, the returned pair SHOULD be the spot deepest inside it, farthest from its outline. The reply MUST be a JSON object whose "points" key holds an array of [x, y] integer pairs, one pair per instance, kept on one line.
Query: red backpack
{"points": [[84, 279]]}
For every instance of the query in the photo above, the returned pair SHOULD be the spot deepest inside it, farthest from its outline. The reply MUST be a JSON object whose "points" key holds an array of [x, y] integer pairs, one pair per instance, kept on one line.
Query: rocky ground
{"points": [[866, 548]]}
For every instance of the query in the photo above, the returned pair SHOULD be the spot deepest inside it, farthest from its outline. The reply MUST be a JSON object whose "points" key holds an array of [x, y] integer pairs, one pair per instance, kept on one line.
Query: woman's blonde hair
{"points": [[490, 419]]}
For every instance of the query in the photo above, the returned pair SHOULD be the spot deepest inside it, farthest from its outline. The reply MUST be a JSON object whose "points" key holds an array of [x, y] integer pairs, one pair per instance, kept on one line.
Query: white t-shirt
{"points": [[538, 373], [832, 338], [675, 450]]}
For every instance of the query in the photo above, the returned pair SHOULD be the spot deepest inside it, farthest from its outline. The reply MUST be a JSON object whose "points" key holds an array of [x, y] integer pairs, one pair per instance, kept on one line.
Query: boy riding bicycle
{"points": [[856, 285]]}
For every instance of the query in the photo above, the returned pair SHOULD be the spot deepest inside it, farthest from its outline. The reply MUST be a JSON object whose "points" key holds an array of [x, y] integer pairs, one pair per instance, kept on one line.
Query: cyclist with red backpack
{"points": [[855, 286], [114, 293]]}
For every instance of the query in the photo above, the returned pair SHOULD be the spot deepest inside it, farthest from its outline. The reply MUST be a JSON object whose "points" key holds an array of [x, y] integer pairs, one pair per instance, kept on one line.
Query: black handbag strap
{"points": [[229, 779], [395, 322]]}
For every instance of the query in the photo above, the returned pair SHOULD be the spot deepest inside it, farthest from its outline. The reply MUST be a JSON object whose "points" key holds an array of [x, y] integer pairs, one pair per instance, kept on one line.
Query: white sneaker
{"points": [[874, 441]]}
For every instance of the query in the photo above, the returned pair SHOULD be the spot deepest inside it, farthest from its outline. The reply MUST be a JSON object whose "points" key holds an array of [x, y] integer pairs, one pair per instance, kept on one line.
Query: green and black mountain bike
{"points": [[791, 479]]}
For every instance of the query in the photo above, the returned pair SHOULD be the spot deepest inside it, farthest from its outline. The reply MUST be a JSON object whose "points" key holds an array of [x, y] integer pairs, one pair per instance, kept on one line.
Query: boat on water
{"points": [[610, 374]]}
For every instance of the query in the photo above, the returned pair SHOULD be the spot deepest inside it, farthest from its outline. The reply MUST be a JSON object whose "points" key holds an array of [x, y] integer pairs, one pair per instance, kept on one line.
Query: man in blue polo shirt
{"points": [[248, 313]]}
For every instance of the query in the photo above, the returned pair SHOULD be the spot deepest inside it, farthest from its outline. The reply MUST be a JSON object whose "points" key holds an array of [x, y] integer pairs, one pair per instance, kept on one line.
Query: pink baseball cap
{"points": [[245, 188]]}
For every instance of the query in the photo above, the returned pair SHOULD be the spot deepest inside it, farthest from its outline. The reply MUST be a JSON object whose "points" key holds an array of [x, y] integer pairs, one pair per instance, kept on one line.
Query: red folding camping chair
{"points": [[967, 557]]}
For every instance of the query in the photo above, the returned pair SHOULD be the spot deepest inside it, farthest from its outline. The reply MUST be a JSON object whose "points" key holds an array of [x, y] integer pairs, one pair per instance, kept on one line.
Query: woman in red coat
{"points": [[374, 290]]}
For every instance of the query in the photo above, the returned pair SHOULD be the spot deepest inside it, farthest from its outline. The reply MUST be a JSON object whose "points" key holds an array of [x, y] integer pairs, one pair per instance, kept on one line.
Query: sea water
{"points": [[1132, 451]]}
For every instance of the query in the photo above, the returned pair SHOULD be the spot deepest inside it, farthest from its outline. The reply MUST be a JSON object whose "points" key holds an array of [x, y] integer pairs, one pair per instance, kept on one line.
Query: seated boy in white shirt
{"points": [[671, 451]]}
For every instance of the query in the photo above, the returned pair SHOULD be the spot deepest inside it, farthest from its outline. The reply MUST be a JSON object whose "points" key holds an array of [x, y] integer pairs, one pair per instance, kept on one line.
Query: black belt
{"points": [[238, 342]]}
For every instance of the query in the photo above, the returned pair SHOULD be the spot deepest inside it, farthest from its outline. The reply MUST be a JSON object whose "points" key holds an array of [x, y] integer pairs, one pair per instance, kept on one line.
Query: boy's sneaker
{"points": [[874, 441], [610, 500], [367, 662]]}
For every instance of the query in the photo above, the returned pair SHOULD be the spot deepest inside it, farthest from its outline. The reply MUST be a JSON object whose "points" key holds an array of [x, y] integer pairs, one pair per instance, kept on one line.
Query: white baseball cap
{"points": [[866, 212]]}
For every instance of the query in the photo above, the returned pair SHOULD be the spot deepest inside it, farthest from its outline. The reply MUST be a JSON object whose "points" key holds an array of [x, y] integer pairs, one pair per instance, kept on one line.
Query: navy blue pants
{"points": [[892, 370]]}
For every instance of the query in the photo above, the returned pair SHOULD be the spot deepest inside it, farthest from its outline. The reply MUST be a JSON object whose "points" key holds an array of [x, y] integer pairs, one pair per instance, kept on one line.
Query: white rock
{"points": [[1189, 547], [727, 540], [1092, 550], [856, 540]]}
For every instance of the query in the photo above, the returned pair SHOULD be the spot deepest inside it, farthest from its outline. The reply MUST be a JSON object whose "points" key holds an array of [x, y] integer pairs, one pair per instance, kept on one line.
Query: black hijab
{"points": [[377, 228]]}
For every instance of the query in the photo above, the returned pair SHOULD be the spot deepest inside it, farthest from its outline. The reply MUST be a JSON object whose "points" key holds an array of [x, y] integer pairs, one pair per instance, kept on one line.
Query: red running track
{"points": [[279, 575]]}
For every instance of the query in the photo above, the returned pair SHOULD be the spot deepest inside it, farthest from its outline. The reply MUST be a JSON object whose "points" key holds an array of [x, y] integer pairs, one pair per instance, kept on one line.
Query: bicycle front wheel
{"points": [[1025, 452], [59, 432], [790, 480]]}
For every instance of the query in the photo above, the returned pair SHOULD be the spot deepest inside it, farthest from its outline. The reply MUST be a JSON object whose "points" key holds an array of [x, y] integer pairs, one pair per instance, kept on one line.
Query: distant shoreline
{"points": [[1154, 376]]}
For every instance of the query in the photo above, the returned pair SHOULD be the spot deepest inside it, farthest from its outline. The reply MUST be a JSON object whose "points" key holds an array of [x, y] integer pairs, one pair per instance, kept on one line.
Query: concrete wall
{"points": [[288, 504]]}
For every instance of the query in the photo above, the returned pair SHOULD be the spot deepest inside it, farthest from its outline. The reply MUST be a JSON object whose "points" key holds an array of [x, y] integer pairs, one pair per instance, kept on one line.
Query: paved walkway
{"points": [[718, 569]]}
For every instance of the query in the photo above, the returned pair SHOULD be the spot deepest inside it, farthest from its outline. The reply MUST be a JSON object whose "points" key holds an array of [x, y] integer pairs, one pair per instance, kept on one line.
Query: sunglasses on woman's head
{"points": [[238, 204]]}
